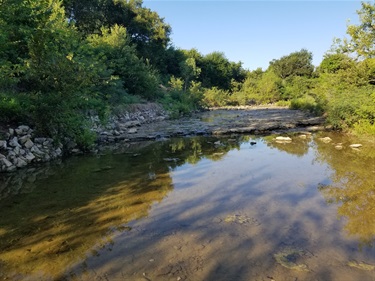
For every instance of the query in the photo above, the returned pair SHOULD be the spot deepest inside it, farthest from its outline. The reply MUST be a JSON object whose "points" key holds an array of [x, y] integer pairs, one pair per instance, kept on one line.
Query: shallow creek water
{"points": [[199, 208]]}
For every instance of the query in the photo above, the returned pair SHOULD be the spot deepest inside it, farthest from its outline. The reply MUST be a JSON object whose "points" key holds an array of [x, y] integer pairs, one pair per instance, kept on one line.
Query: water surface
{"points": [[233, 208]]}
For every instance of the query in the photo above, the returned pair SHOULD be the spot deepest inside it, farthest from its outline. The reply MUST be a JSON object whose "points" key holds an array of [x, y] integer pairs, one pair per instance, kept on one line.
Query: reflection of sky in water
{"points": [[240, 212]]}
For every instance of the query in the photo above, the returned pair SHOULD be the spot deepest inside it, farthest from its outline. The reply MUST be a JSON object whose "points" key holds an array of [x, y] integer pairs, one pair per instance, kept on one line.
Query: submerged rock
{"points": [[355, 145], [241, 219], [361, 265], [326, 139], [291, 258]]}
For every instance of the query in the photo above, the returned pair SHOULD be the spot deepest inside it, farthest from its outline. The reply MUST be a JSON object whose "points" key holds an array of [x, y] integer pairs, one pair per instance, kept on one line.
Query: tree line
{"points": [[60, 60]]}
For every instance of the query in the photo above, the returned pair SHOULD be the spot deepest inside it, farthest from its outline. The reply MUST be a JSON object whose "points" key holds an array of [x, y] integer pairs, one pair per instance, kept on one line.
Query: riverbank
{"points": [[19, 147]]}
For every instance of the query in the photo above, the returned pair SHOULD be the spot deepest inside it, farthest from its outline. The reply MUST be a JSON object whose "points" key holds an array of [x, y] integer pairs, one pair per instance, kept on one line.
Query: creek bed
{"points": [[237, 207]]}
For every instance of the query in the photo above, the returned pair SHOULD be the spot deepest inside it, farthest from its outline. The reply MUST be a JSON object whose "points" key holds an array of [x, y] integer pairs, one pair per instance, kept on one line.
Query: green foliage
{"points": [[146, 29], [179, 102], [216, 97], [362, 36], [295, 64], [113, 49], [218, 71], [332, 63], [11, 108]]}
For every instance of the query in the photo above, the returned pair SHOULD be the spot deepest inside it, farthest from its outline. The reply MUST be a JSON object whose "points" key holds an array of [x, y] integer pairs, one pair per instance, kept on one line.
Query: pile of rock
{"points": [[18, 148], [125, 123]]}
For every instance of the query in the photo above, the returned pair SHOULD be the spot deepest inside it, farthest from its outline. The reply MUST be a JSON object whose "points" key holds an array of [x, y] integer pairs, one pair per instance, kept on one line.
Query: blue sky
{"points": [[255, 32]]}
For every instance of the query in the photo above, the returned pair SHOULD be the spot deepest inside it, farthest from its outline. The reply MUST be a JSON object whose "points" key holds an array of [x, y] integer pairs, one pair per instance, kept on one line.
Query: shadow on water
{"points": [[52, 215], [227, 210]]}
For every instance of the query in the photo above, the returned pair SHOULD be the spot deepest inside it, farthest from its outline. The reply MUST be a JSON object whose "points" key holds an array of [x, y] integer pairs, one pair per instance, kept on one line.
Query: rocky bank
{"points": [[19, 147]]}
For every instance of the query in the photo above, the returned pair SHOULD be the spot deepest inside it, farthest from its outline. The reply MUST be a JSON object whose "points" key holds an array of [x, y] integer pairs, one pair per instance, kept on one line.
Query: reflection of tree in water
{"points": [[79, 208], [81, 204], [353, 186], [193, 149], [298, 146]]}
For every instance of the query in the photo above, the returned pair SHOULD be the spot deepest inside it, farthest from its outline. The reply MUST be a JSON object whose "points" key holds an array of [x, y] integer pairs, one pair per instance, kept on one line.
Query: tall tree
{"points": [[362, 36], [295, 64], [145, 28]]}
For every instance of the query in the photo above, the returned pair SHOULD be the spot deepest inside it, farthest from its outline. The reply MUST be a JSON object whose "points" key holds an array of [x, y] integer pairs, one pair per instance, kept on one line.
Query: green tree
{"points": [[189, 71], [362, 36], [218, 71], [332, 63], [113, 48], [295, 64], [146, 29]]}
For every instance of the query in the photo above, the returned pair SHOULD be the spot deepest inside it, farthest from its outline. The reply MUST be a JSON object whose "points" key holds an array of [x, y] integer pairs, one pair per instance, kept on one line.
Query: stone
{"points": [[3, 144], [39, 140], [14, 142], [24, 139], [131, 124], [37, 152], [326, 139], [30, 157], [2, 156], [16, 150], [6, 162], [20, 163], [18, 132], [355, 145], [29, 144], [339, 147], [11, 132], [132, 131], [286, 139], [58, 151], [24, 128]]}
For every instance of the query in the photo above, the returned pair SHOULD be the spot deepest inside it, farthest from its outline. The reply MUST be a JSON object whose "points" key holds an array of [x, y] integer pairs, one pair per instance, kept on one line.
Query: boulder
{"points": [[14, 142]]}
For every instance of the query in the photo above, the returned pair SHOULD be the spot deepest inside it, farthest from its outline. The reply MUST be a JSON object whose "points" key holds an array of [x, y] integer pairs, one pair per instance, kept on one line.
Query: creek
{"points": [[239, 207]]}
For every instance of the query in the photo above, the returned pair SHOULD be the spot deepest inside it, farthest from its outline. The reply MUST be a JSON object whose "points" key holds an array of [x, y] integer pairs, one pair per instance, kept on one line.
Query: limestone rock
{"points": [[283, 139], [326, 139]]}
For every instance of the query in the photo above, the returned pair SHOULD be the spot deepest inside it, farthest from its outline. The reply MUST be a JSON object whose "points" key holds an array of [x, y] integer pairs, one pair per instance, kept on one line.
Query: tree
{"points": [[145, 28], [295, 64], [332, 63], [218, 71], [113, 48], [362, 36], [189, 71]]}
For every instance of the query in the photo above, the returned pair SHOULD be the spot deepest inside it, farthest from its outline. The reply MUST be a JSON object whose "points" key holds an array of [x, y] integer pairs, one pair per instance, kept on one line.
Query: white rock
{"points": [[283, 139], [355, 145], [326, 139], [132, 131]]}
